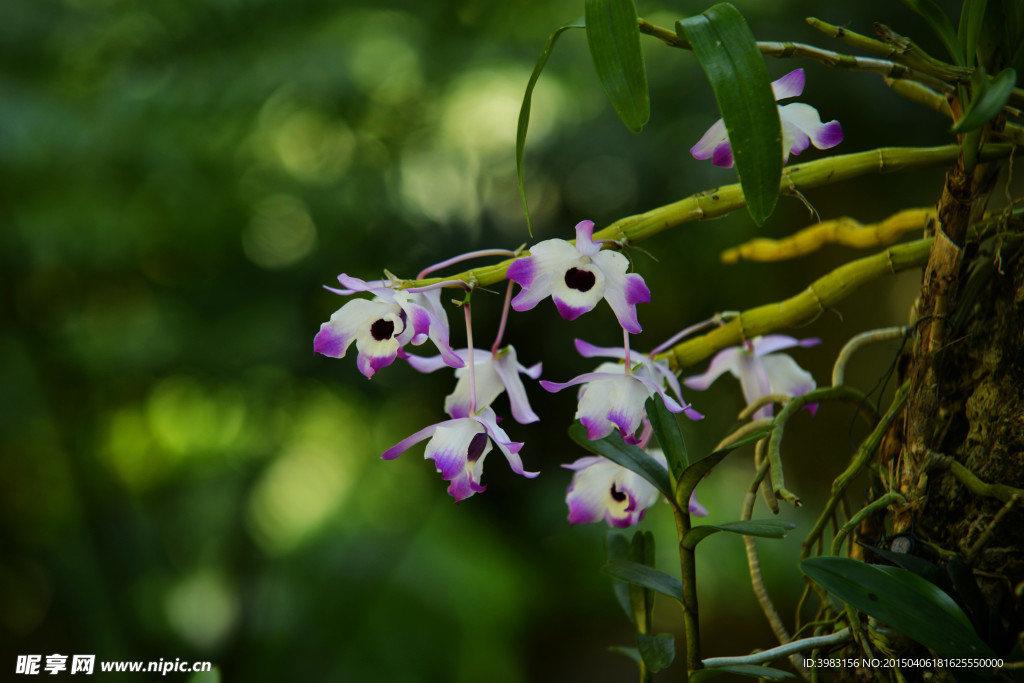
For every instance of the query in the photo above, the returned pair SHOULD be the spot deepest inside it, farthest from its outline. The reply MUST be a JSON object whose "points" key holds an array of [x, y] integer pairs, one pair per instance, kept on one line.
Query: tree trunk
{"points": [[959, 452]]}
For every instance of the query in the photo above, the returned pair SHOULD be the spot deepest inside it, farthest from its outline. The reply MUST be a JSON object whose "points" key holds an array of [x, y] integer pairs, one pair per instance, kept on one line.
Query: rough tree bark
{"points": [[965, 414]]}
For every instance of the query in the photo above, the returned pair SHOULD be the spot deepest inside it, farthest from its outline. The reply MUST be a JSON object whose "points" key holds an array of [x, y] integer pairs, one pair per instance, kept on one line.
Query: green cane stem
{"points": [[721, 201]]}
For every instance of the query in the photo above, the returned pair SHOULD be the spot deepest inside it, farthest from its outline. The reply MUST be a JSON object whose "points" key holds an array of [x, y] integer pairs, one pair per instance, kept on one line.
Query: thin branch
{"points": [[837, 638], [859, 341], [789, 50]]}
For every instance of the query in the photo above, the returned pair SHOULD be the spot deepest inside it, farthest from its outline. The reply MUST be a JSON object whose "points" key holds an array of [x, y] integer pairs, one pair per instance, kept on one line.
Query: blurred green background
{"points": [[181, 477]]}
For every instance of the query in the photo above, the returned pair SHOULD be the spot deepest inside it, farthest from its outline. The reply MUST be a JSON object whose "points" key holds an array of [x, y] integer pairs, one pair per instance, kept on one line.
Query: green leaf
{"points": [[901, 599], [641, 551], [918, 565], [649, 577], [930, 11], [695, 472], [751, 670], [658, 651], [627, 455], [666, 430], [972, 16], [614, 40], [524, 113], [617, 548], [989, 99], [763, 528], [729, 55]]}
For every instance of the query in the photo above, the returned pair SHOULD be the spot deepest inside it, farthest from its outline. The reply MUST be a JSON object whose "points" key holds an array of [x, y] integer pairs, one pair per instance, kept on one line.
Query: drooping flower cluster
{"points": [[577, 276]]}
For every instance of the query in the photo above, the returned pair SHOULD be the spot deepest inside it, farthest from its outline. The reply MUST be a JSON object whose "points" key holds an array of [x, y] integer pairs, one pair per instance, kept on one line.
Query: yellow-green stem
{"points": [[688, 575], [723, 200]]}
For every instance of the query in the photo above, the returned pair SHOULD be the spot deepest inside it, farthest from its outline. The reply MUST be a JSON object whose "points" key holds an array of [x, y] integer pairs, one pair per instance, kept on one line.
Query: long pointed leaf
{"points": [[986, 105], [658, 651], [627, 455], [930, 11], [901, 599], [524, 113], [762, 528], [729, 55], [641, 551], [648, 577], [972, 15], [617, 548], [614, 40], [666, 430]]}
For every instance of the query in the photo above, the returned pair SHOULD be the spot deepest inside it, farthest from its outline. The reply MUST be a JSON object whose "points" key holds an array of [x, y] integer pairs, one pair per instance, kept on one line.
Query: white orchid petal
{"points": [[585, 244], [613, 402], [724, 361], [714, 137], [753, 377], [507, 368], [790, 85], [622, 291], [786, 377], [770, 343], [806, 119]]}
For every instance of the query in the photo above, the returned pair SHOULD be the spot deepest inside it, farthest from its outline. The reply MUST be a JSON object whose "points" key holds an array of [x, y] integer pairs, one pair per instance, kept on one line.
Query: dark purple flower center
{"points": [[581, 280], [476, 446], [617, 495], [382, 329]]}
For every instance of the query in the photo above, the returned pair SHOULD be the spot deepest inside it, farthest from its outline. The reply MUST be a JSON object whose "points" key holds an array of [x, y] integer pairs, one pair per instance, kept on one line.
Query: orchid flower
{"points": [[458, 448], [495, 373], [578, 277], [801, 127], [602, 489], [760, 370], [612, 397], [382, 326]]}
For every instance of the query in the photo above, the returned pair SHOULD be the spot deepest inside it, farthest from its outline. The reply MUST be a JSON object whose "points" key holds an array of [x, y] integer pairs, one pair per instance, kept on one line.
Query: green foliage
{"points": [[729, 55], [658, 651], [763, 528], [666, 431], [524, 114], [988, 99], [648, 577], [614, 41], [617, 547], [901, 599], [641, 551], [930, 11]]}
